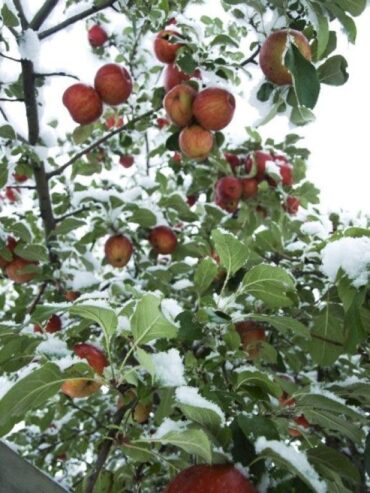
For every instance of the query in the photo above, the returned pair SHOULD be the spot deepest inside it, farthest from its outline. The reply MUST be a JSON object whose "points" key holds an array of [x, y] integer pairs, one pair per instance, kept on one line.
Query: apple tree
{"points": [[177, 314]]}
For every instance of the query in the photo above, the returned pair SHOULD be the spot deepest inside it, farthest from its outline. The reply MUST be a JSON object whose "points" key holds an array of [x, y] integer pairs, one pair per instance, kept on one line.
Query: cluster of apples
{"points": [[118, 248], [17, 268], [112, 86]]}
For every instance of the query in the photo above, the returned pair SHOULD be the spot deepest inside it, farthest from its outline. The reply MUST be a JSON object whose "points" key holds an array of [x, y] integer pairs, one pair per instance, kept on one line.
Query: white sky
{"points": [[339, 164]]}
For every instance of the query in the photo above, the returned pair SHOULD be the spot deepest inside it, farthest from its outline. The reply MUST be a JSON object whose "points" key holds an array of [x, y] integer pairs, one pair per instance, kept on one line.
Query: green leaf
{"points": [[144, 217], [346, 21], [204, 274], [333, 71], [82, 133], [334, 423], [148, 322], [305, 81], [301, 116], [258, 379], [185, 60], [172, 143], [354, 7], [146, 361], [317, 401], [271, 284], [6, 131], [176, 202], [205, 416], [284, 324], [367, 454], [323, 457], [106, 318], [224, 39], [32, 252], [31, 392], [232, 252], [321, 25], [3, 175], [256, 426], [193, 441], [9, 19], [69, 224]]}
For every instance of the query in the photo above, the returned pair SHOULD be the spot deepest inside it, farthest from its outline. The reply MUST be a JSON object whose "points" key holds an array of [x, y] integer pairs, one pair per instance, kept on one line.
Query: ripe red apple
{"points": [[15, 270], [113, 84], [54, 325], [12, 194], [301, 421], [20, 178], [118, 250], [271, 57], [72, 295], [228, 188], [205, 478], [94, 356], [114, 121], [165, 46], [174, 76], [232, 159], [191, 200], [162, 122], [178, 104], [249, 187], [196, 142], [80, 387], [97, 36], [163, 239], [259, 159], [250, 334], [83, 103], [126, 160], [291, 205], [214, 108], [286, 173]]}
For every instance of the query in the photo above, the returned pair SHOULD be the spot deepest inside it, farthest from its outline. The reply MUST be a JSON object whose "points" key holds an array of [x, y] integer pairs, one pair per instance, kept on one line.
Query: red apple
{"points": [[196, 142], [20, 178], [80, 387], [176, 158], [271, 57], [72, 295], [97, 36], [114, 121], [54, 325], [113, 84], [15, 270], [286, 173], [171, 21], [206, 478], [301, 421], [214, 108], [174, 76], [259, 159], [229, 205], [162, 122], [118, 250], [232, 159], [191, 199], [126, 160], [251, 334], [249, 187], [11, 243], [291, 205], [165, 46], [228, 188], [163, 239], [83, 103], [12, 194], [94, 356], [178, 104]]}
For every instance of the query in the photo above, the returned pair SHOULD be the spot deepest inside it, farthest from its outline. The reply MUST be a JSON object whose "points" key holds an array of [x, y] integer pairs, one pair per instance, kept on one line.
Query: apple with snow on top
{"points": [[249, 187], [178, 104], [257, 160], [113, 84], [53, 325], [83, 103], [97, 36], [118, 250], [166, 46], [228, 188], [126, 160], [251, 334], [291, 205], [163, 240], [214, 108], [195, 142], [204, 478], [271, 58], [174, 76], [18, 270]]}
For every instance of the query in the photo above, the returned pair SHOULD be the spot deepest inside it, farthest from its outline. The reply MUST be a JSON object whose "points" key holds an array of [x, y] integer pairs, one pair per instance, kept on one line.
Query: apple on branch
{"points": [[271, 57], [126, 160], [174, 76], [19, 271], [256, 160], [53, 325], [206, 478], [163, 240], [97, 36], [249, 187], [214, 108], [83, 103], [178, 104], [196, 142], [291, 205], [113, 84], [166, 47], [251, 334], [118, 250]]}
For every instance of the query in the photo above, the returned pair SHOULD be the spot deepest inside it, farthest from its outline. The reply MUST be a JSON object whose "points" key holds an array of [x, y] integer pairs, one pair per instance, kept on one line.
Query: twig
{"points": [[57, 74], [10, 58], [75, 18], [22, 17], [10, 100], [97, 143], [85, 411], [42, 14], [36, 301], [73, 213], [252, 58], [147, 152]]}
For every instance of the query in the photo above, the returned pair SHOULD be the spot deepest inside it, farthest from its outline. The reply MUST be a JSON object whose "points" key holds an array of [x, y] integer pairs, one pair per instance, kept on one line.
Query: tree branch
{"points": [[10, 58], [252, 58], [73, 213], [97, 143], [75, 18], [12, 100], [22, 17], [42, 14], [57, 74], [36, 301]]}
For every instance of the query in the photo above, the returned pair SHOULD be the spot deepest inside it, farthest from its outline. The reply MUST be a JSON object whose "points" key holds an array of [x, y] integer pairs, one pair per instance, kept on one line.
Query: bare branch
{"points": [[37, 300], [10, 58], [252, 58], [76, 18], [42, 14], [56, 74], [97, 143], [12, 100], [73, 213], [22, 17]]}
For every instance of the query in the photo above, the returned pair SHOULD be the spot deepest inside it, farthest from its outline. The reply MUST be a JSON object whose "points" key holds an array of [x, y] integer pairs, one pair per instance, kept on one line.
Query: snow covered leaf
{"points": [[30, 392], [204, 275], [146, 361], [284, 324], [258, 379], [105, 317], [148, 322], [273, 285], [193, 441], [232, 252]]}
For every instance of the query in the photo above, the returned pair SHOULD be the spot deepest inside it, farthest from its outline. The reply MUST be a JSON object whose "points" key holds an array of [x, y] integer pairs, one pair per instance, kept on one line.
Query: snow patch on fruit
{"points": [[352, 255], [169, 368], [190, 396], [297, 459]]}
